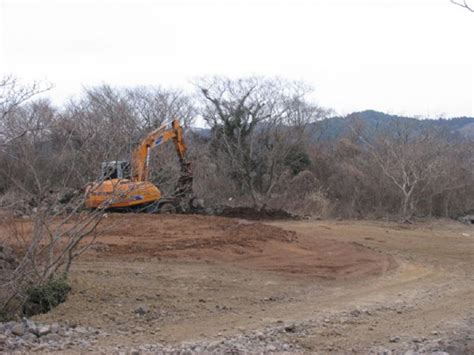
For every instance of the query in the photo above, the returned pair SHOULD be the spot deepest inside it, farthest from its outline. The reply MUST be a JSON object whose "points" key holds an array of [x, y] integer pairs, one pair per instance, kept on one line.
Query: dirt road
{"points": [[217, 284]]}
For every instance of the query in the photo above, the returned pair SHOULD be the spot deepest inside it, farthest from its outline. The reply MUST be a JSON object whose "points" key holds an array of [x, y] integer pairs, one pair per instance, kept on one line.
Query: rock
{"points": [[18, 329], [394, 339], [43, 330], [30, 325], [142, 310], [355, 313], [55, 327], [9, 325], [84, 344], [270, 348], [81, 330], [30, 337], [3, 339], [290, 328], [52, 337]]}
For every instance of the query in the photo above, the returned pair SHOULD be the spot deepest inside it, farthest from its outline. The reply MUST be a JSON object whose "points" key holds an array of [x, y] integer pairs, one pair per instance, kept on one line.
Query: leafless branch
{"points": [[463, 4]]}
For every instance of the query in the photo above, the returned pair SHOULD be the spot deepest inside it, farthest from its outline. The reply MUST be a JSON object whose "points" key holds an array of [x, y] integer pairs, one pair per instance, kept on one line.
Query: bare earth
{"points": [[315, 286]]}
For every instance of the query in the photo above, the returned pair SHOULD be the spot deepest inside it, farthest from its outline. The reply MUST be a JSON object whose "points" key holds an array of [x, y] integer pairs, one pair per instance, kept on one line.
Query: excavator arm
{"points": [[141, 155]]}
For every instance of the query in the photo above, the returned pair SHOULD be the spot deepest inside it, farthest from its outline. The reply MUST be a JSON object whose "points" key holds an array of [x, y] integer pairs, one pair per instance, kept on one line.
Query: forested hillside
{"points": [[373, 121]]}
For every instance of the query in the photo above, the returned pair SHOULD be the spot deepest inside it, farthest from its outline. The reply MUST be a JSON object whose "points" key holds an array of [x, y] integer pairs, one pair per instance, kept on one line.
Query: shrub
{"points": [[43, 298]]}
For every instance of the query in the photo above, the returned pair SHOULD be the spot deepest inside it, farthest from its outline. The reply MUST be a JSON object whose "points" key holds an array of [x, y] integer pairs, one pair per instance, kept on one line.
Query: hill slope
{"points": [[369, 120]]}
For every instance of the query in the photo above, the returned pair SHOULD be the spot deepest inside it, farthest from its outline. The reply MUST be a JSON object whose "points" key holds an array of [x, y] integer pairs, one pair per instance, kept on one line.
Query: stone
{"points": [[30, 337], [270, 348], [53, 337], [55, 327], [142, 310], [355, 313], [3, 339], [81, 330], [10, 324], [394, 339], [18, 329], [30, 325], [43, 330]]}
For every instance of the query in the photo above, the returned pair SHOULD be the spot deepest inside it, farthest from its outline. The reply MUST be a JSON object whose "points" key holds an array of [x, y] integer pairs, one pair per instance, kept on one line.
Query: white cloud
{"points": [[414, 57]]}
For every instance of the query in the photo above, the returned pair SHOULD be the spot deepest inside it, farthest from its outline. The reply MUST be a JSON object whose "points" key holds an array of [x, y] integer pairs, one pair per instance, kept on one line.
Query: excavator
{"points": [[125, 187]]}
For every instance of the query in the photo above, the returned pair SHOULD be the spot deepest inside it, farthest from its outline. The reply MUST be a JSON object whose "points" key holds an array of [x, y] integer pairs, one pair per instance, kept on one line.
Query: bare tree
{"points": [[12, 94], [463, 4], [257, 123], [411, 159], [39, 166]]}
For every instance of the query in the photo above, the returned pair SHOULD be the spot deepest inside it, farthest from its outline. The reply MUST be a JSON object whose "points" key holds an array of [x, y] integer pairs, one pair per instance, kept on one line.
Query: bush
{"points": [[43, 298]]}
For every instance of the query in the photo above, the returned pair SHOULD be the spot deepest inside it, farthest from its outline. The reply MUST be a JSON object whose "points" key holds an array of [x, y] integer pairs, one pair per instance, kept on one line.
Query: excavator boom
{"points": [[141, 155]]}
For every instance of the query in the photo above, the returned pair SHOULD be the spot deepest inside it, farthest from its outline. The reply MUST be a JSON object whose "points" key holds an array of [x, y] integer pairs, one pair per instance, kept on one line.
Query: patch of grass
{"points": [[43, 298]]}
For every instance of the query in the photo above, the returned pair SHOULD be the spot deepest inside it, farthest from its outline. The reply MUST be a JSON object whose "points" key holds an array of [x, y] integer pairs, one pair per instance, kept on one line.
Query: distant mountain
{"points": [[371, 121]]}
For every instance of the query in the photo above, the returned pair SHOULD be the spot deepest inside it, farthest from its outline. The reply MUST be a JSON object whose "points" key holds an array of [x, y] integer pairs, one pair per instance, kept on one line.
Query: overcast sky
{"points": [[412, 57]]}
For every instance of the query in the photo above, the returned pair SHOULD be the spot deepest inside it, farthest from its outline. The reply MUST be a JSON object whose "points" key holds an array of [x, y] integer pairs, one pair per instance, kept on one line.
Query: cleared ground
{"points": [[335, 286]]}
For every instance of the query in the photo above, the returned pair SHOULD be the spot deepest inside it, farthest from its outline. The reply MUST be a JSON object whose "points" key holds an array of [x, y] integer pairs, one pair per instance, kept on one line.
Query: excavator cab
{"points": [[118, 169]]}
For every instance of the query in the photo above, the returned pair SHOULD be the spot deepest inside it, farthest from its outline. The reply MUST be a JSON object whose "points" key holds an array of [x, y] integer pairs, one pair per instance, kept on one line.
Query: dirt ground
{"points": [[334, 286]]}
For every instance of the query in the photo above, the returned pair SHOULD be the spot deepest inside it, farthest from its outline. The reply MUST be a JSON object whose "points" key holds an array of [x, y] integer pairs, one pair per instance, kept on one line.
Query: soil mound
{"points": [[252, 213], [243, 243]]}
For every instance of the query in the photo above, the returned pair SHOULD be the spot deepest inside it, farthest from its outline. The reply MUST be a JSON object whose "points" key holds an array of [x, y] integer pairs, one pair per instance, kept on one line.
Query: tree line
{"points": [[262, 148]]}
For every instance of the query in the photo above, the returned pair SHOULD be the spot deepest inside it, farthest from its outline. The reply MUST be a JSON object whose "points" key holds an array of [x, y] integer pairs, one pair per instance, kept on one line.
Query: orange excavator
{"points": [[126, 188]]}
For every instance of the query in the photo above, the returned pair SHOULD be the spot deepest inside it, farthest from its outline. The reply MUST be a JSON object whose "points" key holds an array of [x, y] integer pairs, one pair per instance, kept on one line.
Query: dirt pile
{"points": [[190, 235], [244, 243], [252, 213]]}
